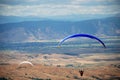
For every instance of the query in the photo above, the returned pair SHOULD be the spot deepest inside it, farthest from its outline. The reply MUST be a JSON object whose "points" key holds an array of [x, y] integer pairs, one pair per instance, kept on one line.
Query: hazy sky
{"points": [[60, 9]]}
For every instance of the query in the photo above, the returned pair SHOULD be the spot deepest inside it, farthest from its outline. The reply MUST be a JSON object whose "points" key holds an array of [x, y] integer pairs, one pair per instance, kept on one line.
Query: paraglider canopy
{"points": [[81, 35], [25, 64]]}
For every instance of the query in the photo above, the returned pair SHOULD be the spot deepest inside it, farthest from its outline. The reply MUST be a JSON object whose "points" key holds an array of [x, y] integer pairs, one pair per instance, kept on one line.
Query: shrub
{"points": [[40, 79], [69, 65], [76, 77], [2, 78]]}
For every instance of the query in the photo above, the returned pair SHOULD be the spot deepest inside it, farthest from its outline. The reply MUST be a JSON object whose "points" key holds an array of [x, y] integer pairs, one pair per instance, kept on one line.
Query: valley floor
{"points": [[59, 66]]}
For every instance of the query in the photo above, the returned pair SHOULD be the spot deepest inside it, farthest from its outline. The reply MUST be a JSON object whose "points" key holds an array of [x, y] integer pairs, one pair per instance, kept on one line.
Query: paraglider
{"points": [[81, 35], [25, 64]]}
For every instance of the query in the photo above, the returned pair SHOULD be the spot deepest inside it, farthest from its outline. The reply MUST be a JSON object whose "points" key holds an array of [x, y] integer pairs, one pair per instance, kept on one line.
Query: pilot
{"points": [[81, 72]]}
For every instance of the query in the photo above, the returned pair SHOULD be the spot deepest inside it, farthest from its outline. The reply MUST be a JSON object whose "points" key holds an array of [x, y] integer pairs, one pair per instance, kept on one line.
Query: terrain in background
{"points": [[59, 66]]}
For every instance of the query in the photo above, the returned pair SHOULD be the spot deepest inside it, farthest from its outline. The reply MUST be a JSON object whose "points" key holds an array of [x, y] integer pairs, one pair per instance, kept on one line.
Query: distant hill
{"points": [[50, 29]]}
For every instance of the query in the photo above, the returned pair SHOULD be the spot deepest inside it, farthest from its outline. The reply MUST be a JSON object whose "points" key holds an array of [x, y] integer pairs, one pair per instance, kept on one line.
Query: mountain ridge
{"points": [[50, 29]]}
